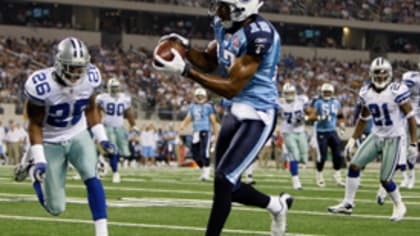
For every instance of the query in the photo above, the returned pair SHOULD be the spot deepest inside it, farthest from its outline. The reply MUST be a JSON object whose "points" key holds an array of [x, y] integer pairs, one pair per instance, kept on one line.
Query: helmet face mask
{"points": [[327, 91], [200, 95], [289, 92], [380, 73], [113, 87], [71, 61]]}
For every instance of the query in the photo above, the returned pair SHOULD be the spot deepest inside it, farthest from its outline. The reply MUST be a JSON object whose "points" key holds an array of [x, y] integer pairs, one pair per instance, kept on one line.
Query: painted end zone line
{"points": [[150, 226]]}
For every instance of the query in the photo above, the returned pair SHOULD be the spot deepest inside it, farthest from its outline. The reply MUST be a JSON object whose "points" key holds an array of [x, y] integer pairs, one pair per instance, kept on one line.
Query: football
{"points": [[164, 49]]}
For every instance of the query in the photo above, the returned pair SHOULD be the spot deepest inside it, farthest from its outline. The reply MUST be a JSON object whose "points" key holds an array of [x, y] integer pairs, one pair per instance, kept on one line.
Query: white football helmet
{"points": [[200, 95], [380, 72], [113, 86], [327, 91], [72, 60], [238, 10], [289, 92]]}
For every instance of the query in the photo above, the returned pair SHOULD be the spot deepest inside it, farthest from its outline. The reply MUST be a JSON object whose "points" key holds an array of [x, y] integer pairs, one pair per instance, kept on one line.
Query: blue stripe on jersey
{"points": [[362, 100], [402, 97]]}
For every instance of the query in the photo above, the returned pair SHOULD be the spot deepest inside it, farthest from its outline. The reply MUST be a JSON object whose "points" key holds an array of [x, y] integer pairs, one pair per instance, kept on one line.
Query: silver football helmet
{"points": [[200, 95], [231, 11], [113, 86], [289, 92], [327, 91], [72, 60], [380, 72]]}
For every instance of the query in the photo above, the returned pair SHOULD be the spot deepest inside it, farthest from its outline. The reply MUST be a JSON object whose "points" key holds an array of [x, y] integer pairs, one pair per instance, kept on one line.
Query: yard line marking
{"points": [[131, 202], [140, 225]]}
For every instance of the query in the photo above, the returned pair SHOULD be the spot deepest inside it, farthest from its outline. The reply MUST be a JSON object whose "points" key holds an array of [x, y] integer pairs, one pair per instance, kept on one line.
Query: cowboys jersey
{"points": [[412, 80], [114, 108], [64, 105], [384, 107], [293, 114]]}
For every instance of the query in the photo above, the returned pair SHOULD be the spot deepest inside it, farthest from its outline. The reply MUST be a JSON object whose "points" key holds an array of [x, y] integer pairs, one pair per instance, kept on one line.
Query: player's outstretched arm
{"points": [[187, 120], [93, 112], [361, 123], [242, 70], [36, 116]]}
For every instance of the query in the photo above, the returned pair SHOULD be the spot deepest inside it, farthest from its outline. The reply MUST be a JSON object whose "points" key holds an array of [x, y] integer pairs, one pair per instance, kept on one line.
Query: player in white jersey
{"points": [[116, 106], [61, 106], [412, 80], [389, 106], [293, 109]]}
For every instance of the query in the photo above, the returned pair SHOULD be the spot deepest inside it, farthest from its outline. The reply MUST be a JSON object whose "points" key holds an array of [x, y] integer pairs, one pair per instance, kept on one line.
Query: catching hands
{"points": [[39, 171], [176, 66], [108, 148], [185, 42]]}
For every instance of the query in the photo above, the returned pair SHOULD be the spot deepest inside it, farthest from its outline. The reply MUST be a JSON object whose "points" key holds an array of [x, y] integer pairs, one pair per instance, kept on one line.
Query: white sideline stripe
{"points": [[191, 203], [138, 225]]}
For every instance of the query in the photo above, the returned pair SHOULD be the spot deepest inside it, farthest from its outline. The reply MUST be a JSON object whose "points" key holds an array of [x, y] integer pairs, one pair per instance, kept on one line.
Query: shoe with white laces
{"points": [[279, 219], [320, 181], [338, 180], [398, 212], [116, 178], [411, 181], [296, 184], [342, 208], [381, 195], [22, 170]]}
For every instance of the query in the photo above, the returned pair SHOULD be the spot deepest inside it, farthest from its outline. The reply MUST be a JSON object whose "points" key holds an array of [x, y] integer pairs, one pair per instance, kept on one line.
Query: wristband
{"points": [[99, 133], [37, 152]]}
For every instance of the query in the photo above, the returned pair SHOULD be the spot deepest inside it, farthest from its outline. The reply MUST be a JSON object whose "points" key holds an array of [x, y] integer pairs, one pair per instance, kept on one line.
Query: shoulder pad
{"points": [[411, 78], [259, 36], [37, 87], [400, 92], [94, 76]]}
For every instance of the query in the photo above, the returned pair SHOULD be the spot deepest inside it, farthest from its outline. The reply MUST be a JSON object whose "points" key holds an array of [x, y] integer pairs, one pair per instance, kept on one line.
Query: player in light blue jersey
{"points": [[203, 117], [61, 106], [247, 49], [327, 113]]}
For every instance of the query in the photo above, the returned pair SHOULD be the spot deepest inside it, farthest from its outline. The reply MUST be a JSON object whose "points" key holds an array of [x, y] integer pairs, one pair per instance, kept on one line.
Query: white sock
{"points": [[411, 173], [295, 179], [319, 174], [351, 186], [101, 227], [274, 205], [395, 196], [404, 175]]}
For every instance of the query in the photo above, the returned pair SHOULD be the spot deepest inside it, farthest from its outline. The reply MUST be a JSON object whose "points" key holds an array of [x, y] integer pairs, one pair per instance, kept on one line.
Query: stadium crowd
{"points": [[395, 11]]}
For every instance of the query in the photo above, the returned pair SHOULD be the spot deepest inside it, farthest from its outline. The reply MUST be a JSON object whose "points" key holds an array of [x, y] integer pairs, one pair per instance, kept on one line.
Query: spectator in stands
{"points": [[148, 140], [14, 140]]}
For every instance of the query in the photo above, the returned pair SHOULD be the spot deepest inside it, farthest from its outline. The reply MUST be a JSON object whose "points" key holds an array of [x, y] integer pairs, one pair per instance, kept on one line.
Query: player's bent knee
{"points": [[56, 209]]}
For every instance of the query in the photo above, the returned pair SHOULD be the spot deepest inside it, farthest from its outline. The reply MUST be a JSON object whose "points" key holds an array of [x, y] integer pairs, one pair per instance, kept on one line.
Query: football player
{"points": [[247, 50], [116, 106], [327, 113], [388, 104], [203, 117], [61, 106], [412, 80], [293, 109]]}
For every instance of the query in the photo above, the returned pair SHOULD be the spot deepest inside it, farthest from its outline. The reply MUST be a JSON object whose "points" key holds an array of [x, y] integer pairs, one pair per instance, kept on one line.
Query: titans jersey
{"points": [[258, 38], [384, 107], [327, 111], [412, 80], [200, 114], [64, 106], [113, 108], [292, 114]]}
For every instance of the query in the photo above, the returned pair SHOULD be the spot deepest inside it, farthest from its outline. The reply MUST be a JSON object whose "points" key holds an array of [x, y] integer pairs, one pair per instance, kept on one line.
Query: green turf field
{"points": [[171, 201]]}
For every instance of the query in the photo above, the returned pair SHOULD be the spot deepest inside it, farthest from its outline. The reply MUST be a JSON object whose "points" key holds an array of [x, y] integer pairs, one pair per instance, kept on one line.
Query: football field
{"points": [[171, 201]]}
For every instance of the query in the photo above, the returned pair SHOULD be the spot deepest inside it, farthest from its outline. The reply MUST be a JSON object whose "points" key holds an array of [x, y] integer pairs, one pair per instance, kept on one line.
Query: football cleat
{"points": [[342, 208], [404, 183], [381, 195], [320, 181], [116, 178], [338, 180], [297, 185], [398, 212], [279, 219]]}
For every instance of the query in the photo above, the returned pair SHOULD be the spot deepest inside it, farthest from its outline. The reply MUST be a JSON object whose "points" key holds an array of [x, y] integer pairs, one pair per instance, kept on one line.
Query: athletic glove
{"points": [[348, 150], [412, 153], [108, 148], [184, 41], [39, 171], [177, 66]]}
